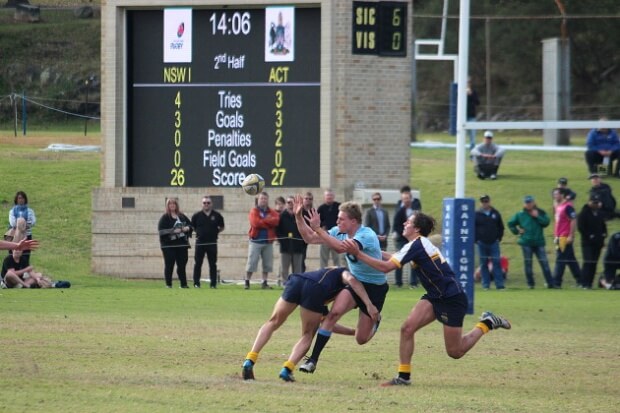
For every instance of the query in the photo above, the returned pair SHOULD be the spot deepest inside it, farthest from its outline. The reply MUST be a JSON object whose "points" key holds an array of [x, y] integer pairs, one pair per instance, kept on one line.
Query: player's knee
{"points": [[334, 315], [455, 353], [407, 329], [362, 340]]}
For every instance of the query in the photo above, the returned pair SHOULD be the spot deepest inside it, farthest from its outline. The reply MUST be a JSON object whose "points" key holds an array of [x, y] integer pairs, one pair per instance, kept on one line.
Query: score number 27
{"points": [[278, 173]]}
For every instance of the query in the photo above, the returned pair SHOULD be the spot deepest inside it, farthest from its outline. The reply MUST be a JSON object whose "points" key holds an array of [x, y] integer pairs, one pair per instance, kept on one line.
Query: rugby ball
{"points": [[253, 184]]}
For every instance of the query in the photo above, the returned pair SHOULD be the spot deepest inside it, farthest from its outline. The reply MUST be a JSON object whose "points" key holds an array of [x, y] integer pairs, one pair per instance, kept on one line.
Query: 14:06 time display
{"points": [[234, 23]]}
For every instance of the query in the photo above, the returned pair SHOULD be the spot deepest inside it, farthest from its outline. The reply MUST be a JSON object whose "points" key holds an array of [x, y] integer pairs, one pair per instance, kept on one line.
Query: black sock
{"points": [[319, 344]]}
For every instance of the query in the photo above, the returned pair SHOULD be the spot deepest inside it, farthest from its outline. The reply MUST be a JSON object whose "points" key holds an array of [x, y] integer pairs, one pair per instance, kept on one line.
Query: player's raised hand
{"points": [[298, 204], [314, 219]]}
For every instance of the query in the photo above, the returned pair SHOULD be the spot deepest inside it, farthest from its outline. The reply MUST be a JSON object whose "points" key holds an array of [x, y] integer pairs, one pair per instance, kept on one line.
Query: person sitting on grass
{"points": [[487, 156], [17, 273]]}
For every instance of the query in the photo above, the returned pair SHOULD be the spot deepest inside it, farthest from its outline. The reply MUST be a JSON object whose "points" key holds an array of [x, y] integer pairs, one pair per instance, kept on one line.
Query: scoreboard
{"points": [[216, 94]]}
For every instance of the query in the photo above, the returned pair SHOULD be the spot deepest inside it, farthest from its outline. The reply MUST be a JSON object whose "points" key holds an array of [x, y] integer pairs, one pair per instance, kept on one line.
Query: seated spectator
{"points": [[603, 148], [603, 191], [487, 156], [17, 273]]}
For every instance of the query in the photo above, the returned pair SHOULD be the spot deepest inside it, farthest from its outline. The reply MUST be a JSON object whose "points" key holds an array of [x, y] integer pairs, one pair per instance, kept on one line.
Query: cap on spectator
{"points": [[562, 181], [485, 198], [528, 198], [595, 198], [594, 175], [488, 134]]}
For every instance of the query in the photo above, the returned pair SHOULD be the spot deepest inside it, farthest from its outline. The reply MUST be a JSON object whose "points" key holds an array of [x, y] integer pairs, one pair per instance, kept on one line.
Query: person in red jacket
{"points": [[263, 224]]}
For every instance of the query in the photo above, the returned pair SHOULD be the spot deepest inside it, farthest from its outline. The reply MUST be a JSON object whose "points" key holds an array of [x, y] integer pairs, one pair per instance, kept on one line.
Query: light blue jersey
{"points": [[369, 243]]}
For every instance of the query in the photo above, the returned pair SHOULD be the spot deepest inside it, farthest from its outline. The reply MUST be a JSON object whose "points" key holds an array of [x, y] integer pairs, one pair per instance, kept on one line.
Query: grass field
{"points": [[109, 345]]}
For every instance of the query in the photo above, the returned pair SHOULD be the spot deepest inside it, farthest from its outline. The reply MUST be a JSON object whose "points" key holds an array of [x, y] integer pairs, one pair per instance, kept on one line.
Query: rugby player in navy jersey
{"points": [[444, 301], [311, 291]]}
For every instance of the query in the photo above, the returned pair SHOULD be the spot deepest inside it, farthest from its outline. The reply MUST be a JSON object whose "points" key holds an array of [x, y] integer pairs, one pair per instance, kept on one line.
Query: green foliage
{"points": [[48, 61], [111, 345], [514, 57]]}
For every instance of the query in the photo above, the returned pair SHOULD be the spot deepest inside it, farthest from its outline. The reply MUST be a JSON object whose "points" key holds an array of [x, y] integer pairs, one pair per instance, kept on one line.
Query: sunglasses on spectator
{"points": [[207, 203], [376, 199]]}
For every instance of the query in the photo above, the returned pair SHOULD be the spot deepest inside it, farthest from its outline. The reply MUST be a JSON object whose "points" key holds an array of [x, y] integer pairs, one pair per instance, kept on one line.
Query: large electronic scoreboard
{"points": [[216, 94]]}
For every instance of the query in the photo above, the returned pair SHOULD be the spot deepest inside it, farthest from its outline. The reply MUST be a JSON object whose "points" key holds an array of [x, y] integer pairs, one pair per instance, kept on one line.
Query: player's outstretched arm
{"points": [[351, 247], [25, 244]]}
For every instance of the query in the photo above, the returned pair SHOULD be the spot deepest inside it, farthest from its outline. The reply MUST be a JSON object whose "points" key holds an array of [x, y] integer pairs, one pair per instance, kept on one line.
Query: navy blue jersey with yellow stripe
{"points": [[433, 271], [329, 278]]}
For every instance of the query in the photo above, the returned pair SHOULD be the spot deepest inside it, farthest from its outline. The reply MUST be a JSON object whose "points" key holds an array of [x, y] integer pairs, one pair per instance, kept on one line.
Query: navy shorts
{"points": [[376, 293], [306, 293], [449, 310]]}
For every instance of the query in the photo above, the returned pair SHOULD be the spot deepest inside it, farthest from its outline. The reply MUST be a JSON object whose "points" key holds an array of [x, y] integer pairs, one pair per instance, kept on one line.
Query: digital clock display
{"points": [[231, 92]]}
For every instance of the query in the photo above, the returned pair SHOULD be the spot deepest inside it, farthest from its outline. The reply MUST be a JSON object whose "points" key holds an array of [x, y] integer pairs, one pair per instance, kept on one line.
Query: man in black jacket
{"points": [[593, 230], [408, 205], [489, 233], [208, 223], [292, 245], [608, 202]]}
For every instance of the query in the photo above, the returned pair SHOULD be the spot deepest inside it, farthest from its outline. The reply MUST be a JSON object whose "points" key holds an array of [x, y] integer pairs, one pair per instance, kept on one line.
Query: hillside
{"points": [[50, 60]]}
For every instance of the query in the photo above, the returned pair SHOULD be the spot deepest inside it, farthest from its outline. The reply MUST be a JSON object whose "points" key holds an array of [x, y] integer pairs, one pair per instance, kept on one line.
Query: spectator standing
{"points": [[564, 232], [207, 223], [603, 148], [608, 202], [489, 233], [279, 204], [21, 220], [563, 183], [308, 204], [263, 224], [611, 264], [292, 245], [174, 233], [328, 211], [407, 208], [472, 103], [529, 224], [378, 220], [487, 157], [593, 230]]}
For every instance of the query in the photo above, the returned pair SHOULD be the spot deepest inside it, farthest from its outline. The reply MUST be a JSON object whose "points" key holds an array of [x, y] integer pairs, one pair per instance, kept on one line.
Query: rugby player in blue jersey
{"points": [[444, 301], [348, 226]]}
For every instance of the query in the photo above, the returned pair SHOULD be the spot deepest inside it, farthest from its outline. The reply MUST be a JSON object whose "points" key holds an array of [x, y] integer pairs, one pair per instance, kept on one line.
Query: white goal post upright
{"points": [[461, 101]]}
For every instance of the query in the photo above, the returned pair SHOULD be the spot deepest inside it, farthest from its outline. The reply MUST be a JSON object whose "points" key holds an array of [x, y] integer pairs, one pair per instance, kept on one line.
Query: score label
{"points": [[380, 28], [247, 100]]}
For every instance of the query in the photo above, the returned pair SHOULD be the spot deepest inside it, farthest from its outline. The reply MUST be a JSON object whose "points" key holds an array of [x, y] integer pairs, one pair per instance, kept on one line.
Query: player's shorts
{"points": [[449, 311], [305, 292], [376, 293]]}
